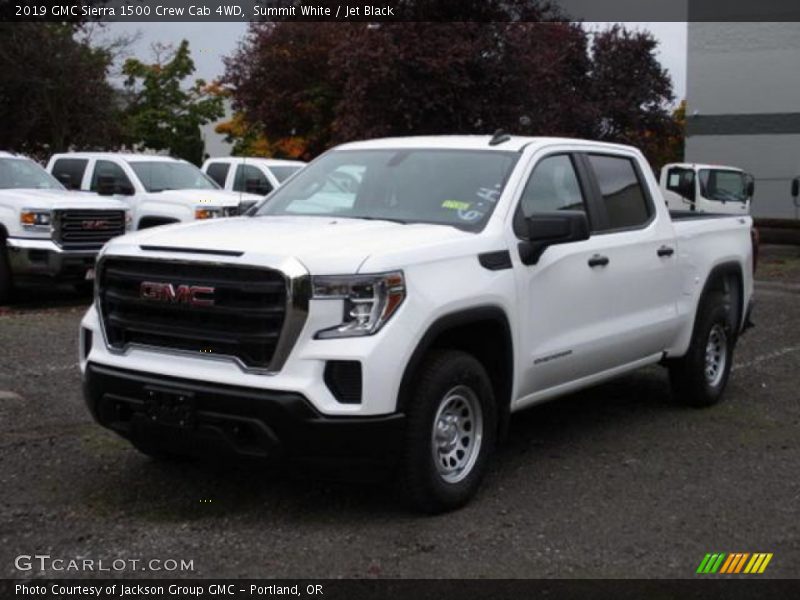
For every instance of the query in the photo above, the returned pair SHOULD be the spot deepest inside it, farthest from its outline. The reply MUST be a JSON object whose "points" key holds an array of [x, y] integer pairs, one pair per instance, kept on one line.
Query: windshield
{"points": [[18, 173], [282, 173], [451, 187], [157, 176], [723, 186]]}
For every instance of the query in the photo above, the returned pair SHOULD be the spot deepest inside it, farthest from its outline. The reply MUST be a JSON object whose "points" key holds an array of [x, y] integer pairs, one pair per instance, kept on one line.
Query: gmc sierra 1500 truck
{"points": [[159, 189], [462, 279], [47, 232]]}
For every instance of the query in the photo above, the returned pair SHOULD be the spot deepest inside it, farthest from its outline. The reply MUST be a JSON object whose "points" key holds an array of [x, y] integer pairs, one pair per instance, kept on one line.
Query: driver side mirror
{"points": [[686, 185], [106, 185], [546, 229], [795, 187], [751, 186]]}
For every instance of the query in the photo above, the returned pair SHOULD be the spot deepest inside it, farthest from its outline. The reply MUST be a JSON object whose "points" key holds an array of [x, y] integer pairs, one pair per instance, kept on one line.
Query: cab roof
{"points": [[126, 156], [512, 143], [267, 162]]}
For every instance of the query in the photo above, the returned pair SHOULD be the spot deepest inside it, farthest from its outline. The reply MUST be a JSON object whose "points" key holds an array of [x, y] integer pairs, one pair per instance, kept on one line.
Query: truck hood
{"points": [[59, 200], [202, 197], [325, 245]]}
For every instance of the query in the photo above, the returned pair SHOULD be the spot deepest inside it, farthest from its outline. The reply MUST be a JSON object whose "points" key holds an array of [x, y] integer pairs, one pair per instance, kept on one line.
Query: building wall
{"points": [[743, 105]]}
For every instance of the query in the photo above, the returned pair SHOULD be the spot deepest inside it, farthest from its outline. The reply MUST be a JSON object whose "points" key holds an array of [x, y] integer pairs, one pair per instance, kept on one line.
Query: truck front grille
{"points": [[87, 229], [211, 309]]}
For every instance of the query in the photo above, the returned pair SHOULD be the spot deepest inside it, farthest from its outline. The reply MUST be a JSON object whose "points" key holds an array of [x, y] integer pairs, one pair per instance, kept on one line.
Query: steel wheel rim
{"points": [[716, 355], [457, 434]]}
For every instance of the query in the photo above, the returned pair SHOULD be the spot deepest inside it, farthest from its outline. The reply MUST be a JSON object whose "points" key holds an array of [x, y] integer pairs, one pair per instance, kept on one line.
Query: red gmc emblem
{"points": [[191, 295], [96, 224]]}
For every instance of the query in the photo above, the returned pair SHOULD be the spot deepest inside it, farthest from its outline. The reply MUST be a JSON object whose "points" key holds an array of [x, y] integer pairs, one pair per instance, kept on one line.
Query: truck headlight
{"points": [[369, 301], [205, 212], [35, 219], [128, 220]]}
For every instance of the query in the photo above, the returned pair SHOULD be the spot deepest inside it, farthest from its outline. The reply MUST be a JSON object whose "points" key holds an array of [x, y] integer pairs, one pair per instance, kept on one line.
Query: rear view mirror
{"points": [[106, 185], [548, 229], [751, 186], [65, 180], [254, 186]]}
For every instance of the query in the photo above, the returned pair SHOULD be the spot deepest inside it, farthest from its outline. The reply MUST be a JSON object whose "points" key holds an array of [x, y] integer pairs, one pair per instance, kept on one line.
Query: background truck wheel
{"points": [[6, 283], [84, 288], [451, 432], [699, 378]]}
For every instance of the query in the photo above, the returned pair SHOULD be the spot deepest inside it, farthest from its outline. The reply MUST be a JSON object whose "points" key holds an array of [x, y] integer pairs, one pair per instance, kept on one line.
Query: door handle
{"points": [[598, 261], [665, 251]]}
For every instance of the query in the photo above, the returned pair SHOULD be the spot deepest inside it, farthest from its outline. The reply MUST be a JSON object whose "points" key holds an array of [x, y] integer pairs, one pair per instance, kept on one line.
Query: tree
{"points": [[54, 95], [404, 78], [161, 114], [630, 90]]}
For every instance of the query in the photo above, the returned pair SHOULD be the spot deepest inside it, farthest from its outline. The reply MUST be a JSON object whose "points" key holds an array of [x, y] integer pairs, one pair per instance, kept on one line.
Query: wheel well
{"points": [[3, 233], [728, 279], [485, 334], [147, 222]]}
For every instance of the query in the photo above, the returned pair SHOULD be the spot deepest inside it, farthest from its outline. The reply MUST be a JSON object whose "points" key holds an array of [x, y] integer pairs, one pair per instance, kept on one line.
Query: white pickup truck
{"points": [[46, 232], [707, 188], [250, 174], [467, 278], [159, 189]]}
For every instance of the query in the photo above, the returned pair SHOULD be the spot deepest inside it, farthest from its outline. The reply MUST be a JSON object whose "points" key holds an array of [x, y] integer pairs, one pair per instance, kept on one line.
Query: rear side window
{"points": [[106, 168], [623, 195], [251, 180], [69, 171], [218, 172]]}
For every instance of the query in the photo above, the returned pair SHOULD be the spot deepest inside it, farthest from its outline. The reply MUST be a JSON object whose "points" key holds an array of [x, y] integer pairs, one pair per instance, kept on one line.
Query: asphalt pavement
{"points": [[615, 481]]}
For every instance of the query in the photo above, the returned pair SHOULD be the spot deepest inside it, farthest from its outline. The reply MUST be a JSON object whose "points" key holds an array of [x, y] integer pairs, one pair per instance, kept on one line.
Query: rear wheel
{"points": [[451, 432], [700, 377]]}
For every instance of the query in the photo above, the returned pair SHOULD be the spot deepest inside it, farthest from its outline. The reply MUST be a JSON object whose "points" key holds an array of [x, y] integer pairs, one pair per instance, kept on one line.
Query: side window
{"points": [[69, 171], [553, 185], [106, 168], [674, 179], [251, 180], [623, 195], [218, 172]]}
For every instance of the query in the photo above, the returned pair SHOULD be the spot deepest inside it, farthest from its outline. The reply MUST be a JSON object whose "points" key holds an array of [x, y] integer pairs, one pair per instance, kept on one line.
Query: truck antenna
{"points": [[499, 137]]}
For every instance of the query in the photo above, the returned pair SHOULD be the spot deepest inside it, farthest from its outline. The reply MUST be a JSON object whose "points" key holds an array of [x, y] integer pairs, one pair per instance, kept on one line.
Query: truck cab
{"points": [[251, 175], [158, 189], [47, 232], [707, 188]]}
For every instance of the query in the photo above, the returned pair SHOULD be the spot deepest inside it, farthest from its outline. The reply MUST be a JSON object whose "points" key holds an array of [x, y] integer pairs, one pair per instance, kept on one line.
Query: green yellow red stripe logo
{"points": [[734, 563]]}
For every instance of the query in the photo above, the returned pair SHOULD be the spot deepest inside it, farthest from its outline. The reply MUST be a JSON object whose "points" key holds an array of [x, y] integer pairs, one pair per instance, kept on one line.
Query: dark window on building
{"points": [[69, 171], [251, 180], [218, 172], [106, 168], [623, 194]]}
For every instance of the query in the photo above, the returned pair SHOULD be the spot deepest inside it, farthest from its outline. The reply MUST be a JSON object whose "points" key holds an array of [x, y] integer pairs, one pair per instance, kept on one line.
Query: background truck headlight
{"points": [[35, 219], [204, 212], [369, 301]]}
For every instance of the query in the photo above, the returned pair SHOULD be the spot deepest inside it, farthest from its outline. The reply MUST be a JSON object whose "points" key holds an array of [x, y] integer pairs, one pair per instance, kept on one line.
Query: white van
{"points": [[707, 188]]}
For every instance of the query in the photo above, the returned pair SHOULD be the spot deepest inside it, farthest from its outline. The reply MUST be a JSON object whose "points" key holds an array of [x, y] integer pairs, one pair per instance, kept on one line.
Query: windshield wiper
{"points": [[367, 218]]}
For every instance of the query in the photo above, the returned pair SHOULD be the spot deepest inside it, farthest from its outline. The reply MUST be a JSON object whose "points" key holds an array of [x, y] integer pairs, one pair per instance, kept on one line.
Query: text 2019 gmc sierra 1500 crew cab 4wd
{"points": [[47, 232], [462, 279], [159, 189]]}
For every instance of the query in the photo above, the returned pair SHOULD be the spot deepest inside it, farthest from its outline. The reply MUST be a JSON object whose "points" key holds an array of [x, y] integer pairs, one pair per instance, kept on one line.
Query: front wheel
{"points": [[451, 432], [700, 377]]}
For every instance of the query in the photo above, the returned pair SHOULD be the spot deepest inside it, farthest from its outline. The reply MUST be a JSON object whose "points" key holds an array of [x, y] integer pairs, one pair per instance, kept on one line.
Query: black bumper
{"points": [[194, 418]]}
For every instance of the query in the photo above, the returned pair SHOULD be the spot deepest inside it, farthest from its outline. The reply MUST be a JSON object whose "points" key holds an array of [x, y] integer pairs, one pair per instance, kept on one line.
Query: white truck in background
{"points": [[48, 233], [252, 175], [459, 280], [159, 189], [707, 188]]}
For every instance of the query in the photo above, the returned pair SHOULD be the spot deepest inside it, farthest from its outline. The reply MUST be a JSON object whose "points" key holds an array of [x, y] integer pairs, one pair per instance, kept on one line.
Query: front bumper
{"points": [[46, 259], [195, 418]]}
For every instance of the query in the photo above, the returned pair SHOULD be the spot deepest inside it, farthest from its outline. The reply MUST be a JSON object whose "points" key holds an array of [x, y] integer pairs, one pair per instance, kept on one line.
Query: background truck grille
{"points": [[245, 320], [87, 229]]}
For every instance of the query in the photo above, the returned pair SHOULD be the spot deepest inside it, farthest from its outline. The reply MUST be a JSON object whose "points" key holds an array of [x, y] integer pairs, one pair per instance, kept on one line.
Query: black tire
{"points": [[6, 281], [693, 381], [448, 375]]}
